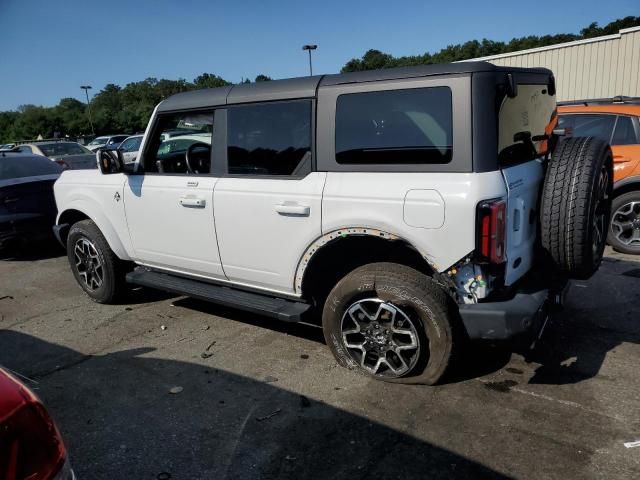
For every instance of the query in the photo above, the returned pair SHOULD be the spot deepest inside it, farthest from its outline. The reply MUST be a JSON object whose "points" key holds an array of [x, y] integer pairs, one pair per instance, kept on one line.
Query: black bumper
{"points": [[521, 317], [60, 232], [24, 227]]}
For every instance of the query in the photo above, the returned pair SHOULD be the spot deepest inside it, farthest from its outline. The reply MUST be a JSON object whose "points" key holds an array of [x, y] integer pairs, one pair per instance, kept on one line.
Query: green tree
{"points": [[262, 78]]}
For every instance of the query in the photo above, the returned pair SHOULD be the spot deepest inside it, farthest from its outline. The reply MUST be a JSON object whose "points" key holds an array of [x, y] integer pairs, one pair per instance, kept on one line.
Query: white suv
{"points": [[407, 209]]}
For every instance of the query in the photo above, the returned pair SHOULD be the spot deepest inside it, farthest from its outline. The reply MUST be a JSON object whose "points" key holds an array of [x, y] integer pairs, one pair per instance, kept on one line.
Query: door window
{"points": [[181, 144], [588, 125], [131, 145], [410, 126], [269, 138], [624, 133]]}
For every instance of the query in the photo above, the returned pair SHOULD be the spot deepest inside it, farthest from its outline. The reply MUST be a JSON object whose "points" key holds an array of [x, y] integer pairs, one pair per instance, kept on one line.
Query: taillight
{"points": [[63, 164], [492, 219], [30, 444]]}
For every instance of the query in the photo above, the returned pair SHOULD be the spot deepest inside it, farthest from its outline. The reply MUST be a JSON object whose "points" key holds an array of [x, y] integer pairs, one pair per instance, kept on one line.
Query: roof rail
{"points": [[618, 99]]}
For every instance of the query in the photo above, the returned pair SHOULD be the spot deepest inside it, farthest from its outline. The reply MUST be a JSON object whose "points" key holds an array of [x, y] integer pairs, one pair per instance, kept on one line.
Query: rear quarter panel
{"points": [[378, 200]]}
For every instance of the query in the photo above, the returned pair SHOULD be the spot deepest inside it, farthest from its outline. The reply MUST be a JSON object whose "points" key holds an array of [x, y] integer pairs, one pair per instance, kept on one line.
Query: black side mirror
{"points": [[109, 161]]}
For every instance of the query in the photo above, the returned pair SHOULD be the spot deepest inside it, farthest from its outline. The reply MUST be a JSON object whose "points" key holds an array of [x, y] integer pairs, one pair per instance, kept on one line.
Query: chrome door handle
{"points": [[293, 209], [193, 202]]}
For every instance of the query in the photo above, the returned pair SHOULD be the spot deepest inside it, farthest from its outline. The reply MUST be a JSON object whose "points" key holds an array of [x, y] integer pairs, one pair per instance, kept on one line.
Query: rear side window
{"points": [[588, 125], [19, 166], [269, 138], [624, 133], [410, 126]]}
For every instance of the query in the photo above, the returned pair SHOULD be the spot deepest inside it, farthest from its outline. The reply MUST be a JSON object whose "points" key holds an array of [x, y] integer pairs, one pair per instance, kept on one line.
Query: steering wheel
{"points": [[198, 163]]}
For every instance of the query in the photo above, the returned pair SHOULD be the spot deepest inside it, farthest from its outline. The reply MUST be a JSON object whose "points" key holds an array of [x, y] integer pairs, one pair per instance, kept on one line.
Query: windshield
{"points": [[62, 149], [19, 166], [99, 141]]}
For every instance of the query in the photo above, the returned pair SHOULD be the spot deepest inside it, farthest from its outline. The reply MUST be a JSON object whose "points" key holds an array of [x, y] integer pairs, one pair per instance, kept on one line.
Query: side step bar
{"points": [[287, 310]]}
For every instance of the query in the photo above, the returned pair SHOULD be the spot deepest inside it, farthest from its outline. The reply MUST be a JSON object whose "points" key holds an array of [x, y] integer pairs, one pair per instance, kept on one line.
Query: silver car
{"points": [[106, 141], [69, 155]]}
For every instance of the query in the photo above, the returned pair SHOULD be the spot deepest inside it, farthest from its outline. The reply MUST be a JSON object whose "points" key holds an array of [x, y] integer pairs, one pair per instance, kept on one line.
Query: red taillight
{"points": [[30, 444], [492, 218], [63, 164]]}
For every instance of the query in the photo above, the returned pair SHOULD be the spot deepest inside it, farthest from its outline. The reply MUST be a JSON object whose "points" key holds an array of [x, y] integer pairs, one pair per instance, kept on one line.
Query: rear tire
{"points": [[391, 311], [624, 233], [98, 271], [576, 205]]}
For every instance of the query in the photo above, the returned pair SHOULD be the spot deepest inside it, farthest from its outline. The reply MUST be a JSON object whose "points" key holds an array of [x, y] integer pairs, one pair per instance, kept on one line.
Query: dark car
{"points": [[69, 155], [30, 444], [27, 205]]}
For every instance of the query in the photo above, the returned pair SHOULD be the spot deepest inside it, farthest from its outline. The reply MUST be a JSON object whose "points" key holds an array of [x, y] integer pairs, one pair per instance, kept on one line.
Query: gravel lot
{"points": [[262, 399]]}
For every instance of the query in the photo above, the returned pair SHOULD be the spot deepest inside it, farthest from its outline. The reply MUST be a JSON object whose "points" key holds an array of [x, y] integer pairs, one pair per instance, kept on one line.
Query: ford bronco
{"points": [[408, 210]]}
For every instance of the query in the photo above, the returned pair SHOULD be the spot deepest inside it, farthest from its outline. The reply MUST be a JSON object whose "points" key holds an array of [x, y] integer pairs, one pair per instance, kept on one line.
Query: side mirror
{"points": [[109, 161]]}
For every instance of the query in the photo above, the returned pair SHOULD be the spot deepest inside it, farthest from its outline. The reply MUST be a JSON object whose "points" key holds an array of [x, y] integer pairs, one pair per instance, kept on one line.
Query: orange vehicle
{"points": [[616, 120]]}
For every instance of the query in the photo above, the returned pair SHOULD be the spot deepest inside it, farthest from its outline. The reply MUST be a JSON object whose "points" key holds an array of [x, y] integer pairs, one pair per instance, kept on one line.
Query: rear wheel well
{"points": [[343, 255], [70, 217]]}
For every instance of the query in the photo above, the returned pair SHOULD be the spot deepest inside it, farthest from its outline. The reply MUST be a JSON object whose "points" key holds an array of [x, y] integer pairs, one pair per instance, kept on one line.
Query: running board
{"points": [[287, 310]]}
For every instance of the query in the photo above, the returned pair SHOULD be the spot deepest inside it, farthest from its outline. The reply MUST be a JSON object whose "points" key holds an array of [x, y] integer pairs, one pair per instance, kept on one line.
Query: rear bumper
{"points": [[522, 317]]}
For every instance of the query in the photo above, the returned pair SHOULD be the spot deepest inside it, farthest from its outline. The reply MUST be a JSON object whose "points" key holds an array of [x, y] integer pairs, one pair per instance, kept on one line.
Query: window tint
{"points": [[174, 135], [588, 125], [395, 126], [25, 149], [624, 133], [269, 138], [22, 166]]}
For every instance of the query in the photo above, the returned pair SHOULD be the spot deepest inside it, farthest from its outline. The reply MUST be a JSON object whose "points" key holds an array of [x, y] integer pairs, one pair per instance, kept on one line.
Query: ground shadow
{"points": [[28, 251], [120, 420], [600, 315]]}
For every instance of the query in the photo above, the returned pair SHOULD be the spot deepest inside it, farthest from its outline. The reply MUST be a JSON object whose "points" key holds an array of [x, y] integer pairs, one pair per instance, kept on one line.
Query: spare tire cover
{"points": [[576, 205]]}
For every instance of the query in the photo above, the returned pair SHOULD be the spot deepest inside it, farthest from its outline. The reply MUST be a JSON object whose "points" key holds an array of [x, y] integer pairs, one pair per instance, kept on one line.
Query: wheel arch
{"points": [[626, 185], [81, 211], [340, 251]]}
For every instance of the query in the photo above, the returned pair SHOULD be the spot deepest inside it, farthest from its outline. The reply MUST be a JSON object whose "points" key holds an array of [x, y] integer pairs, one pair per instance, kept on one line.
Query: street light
{"points": [[309, 48], [86, 91]]}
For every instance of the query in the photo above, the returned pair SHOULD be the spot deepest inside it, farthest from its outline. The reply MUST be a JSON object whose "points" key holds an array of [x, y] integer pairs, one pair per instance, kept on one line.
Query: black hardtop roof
{"points": [[305, 87]]}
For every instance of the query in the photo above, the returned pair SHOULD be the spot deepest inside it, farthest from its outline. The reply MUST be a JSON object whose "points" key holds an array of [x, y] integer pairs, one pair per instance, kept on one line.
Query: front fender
{"points": [[92, 210]]}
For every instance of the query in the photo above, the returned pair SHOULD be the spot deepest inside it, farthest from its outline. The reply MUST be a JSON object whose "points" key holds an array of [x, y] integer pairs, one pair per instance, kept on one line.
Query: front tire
{"points": [[624, 232], [98, 271], [393, 323]]}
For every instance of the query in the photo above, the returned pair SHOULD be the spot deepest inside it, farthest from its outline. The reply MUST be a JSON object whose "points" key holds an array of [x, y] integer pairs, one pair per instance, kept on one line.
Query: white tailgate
{"points": [[523, 186]]}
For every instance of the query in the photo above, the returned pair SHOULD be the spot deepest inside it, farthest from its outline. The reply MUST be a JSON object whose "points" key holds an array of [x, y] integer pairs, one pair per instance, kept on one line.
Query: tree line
{"points": [[127, 109]]}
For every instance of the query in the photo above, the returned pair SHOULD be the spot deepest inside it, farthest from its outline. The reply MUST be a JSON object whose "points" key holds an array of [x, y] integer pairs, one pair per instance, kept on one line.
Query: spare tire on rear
{"points": [[576, 205]]}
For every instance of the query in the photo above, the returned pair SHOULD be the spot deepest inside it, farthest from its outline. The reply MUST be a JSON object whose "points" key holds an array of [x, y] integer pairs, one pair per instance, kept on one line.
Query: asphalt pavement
{"points": [[168, 387]]}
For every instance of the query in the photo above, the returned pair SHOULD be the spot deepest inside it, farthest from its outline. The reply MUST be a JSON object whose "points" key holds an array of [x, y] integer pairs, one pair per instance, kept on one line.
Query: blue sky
{"points": [[48, 48]]}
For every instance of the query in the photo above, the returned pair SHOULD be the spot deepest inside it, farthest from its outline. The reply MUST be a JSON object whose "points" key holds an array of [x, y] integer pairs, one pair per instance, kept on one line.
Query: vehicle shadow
{"points": [[600, 315], [28, 251], [119, 420]]}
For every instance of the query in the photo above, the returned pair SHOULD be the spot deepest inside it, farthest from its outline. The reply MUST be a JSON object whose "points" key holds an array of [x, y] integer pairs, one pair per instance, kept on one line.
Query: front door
{"points": [[268, 203], [169, 207]]}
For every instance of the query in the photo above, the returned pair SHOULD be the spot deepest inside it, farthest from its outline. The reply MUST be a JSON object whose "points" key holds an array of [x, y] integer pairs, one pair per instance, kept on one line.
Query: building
{"points": [[600, 67]]}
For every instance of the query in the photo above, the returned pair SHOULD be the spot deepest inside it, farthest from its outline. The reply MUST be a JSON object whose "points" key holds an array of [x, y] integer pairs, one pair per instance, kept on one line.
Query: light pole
{"points": [[309, 48], [86, 91]]}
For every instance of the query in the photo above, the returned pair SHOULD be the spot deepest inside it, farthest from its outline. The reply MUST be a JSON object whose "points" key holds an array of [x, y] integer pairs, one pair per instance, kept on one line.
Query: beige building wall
{"points": [[600, 67]]}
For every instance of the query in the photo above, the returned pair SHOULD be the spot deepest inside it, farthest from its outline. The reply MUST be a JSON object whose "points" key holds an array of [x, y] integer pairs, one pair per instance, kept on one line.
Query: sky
{"points": [[48, 48]]}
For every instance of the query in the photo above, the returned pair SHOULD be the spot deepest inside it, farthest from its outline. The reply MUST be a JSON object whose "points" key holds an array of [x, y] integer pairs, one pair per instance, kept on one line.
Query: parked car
{"points": [[27, 205], [31, 446], [129, 148], [399, 206], [7, 146], [69, 155], [617, 121], [106, 141]]}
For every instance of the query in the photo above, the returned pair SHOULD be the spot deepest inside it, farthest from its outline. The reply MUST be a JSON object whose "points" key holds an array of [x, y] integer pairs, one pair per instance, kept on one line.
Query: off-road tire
{"points": [[574, 195], [113, 285], [612, 239], [432, 308]]}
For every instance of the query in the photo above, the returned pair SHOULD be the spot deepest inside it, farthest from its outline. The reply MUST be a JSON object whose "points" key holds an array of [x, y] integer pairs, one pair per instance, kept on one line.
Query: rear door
{"points": [[522, 121], [268, 201]]}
